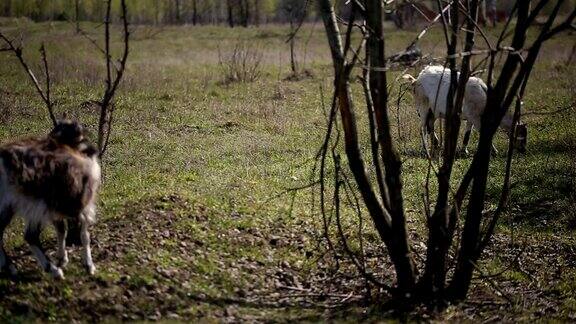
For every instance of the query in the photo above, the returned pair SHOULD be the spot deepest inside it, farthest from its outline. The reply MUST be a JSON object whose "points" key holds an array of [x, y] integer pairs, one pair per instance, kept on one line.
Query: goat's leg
{"points": [[61, 254], [424, 136], [87, 252], [433, 138], [435, 144], [5, 263], [466, 140], [32, 236]]}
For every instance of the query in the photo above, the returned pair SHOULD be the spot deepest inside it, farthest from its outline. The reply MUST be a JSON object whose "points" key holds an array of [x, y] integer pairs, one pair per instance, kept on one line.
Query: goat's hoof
{"points": [[57, 273], [63, 262], [91, 269]]}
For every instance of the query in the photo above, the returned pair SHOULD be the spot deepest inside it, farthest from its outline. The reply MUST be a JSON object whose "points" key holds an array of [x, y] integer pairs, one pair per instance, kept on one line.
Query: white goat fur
{"points": [[430, 95]]}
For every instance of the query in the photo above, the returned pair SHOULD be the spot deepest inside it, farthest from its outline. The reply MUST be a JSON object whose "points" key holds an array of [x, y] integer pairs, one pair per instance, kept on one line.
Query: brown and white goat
{"points": [[50, 180]]}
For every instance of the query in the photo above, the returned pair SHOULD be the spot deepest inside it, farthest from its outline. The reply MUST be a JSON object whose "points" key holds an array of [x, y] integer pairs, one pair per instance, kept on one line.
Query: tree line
{"points": [[231, 12]]}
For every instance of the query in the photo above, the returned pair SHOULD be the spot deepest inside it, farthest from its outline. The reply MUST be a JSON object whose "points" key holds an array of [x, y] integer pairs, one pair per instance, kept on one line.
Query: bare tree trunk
{"points": [[292, 49], [399, 246], [389, 221], [468, 253], [442, 223], [248, 12], [194, 12], [156, 12], [37, 14], [245, 12], [177, 10], [77, 12], [230, 13], [257, 12], [7, 8], [433, 281]]}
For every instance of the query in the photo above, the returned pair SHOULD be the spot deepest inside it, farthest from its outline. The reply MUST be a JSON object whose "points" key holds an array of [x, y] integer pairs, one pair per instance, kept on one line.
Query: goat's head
{"points": [[521, 137], [68, 132]]}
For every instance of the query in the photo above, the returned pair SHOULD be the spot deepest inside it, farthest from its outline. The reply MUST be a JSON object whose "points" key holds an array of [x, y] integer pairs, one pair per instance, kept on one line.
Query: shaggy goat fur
{"points": [[50, 180], [430, 95]]}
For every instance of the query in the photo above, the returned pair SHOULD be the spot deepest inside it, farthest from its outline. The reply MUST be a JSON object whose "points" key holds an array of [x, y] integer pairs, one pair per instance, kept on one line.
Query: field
{"points": [[195, 219]]}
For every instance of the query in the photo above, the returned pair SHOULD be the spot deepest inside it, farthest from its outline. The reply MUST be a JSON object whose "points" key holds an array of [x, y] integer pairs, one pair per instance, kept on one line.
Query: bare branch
{"points": [[322, 155], [300, 23], [17, 51], [47, 74], [566, 25], [87, 37], [431, 24], [337, 184], [374, 140], [107, 105]]}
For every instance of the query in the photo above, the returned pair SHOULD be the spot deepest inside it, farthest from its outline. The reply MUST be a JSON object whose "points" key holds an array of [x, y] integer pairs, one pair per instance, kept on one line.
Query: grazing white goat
{"points": [[50, 180], [430, 95]]}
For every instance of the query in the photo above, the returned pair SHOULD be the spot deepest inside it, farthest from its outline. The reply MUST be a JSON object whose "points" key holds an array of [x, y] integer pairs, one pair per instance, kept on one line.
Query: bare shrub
{"points": [[114, 72], [460, 223], [242, 64]]}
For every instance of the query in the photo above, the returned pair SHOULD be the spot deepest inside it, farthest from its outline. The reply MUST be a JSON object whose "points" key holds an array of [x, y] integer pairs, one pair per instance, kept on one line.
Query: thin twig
{"points": [[300, 23], [49, 103]]}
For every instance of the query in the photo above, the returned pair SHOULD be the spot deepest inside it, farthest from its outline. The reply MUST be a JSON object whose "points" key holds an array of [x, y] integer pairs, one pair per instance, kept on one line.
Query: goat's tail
{"points": [[410, 79]]}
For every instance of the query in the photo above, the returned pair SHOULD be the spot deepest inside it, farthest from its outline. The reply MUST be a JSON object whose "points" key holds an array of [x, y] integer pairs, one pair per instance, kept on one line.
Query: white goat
{"points": [[430, 95], [50, 180]]}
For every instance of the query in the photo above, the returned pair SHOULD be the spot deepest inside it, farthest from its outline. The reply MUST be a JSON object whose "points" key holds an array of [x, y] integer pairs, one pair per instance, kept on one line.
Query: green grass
{"points": [[197, 161]]}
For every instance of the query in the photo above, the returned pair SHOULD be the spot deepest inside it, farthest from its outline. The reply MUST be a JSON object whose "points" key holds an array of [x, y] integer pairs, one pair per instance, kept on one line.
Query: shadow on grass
{"points": [[543, 192], [265, 302], [390, 309], [419, 154], [22, 277]]}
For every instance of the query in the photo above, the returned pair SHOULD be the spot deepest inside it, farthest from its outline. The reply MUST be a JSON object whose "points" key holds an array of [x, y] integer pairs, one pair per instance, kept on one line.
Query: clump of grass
{"points": [[242, 64]]}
